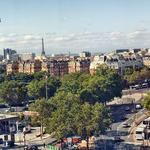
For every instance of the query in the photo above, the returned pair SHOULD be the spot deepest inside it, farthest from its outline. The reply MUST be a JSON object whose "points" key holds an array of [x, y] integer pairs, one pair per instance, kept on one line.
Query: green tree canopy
{"points": [[37, 88], [101, 87], [13, 92], [71, 117], [74, 82], [44, 109], [146, 102], [136, 76]]}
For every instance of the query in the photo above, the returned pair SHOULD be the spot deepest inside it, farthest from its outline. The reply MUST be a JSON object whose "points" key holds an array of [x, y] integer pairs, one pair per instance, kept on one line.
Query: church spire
{"points": [[43, 51]]}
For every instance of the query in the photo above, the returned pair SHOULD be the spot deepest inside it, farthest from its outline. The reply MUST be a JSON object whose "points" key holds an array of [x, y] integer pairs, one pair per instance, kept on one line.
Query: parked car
{"points": [[127, 108], [9, 144], [137, 86], [118, 139], [138, 106], [125, 125], [3, 106], [123, 118], [145, 85], [1, 141], [32, 147]]}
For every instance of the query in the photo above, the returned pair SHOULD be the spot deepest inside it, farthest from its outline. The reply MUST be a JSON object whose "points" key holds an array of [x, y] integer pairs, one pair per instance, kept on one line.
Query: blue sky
{"points": [[74, 25]]}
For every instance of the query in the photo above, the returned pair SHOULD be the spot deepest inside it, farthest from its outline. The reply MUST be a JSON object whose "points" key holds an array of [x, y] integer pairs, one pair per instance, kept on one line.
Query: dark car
{"points": [[1, 141], [32, 147], [123, 118], [127, 108], [9, 144], [118, 139], [3, 106]]}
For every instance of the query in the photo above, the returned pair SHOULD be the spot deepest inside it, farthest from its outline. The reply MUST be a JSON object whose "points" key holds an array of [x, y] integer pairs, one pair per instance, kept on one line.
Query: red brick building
{"points": [[58, 67], [79, 65]]}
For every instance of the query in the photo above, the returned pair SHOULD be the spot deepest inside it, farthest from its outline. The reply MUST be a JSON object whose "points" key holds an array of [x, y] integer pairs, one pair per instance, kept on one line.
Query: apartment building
{"points": [[12, 67], [79, 65], [118, 62], [58, 67]]}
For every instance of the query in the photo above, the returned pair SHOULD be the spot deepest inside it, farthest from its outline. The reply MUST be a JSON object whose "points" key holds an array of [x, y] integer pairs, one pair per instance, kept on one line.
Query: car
{"points": [[125, 125], [32, 147], [127, 108], [137, 86], [118, 139], [138, 106], [145, 85], [9, 144], [123, 118], [1, 141]]}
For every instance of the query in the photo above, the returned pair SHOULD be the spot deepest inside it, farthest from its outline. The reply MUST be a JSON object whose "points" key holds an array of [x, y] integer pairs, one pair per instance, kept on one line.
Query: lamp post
{"points": [[46, 77], [24, 136]]}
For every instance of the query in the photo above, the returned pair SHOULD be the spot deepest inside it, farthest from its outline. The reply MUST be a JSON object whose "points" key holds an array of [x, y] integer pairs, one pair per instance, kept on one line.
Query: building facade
{"points": [[27, 56], [79, 65], [118, 62], [97, 61], [146, 61], [85, 54], [8, 53], [12, 67], [58, 67]]}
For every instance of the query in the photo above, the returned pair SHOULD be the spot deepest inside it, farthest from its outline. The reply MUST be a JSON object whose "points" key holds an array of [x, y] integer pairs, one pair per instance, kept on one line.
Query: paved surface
{"points": [[120, 116], [31, 139]]}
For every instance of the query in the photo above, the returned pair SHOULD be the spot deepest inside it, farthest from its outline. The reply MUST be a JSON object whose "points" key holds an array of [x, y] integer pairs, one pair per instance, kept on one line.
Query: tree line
{"points": [[75, 104], [78, 106]]}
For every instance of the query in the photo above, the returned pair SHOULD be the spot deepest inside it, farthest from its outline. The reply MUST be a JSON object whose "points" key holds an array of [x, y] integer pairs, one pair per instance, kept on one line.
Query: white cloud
{"points": [[76, 41]]}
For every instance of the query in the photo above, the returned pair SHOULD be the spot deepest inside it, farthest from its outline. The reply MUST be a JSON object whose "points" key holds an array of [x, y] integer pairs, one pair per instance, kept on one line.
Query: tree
{"points": [[103, 86], [71, 117], [23, 77], [2, 69], [146, 102], [37, 88], [137, 76], [92, 119], [13, 92], [74, 82], [43, 110], [39, 75]]}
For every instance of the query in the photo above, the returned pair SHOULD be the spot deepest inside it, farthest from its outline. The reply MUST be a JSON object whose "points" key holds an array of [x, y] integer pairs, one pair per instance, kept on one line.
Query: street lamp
{"points": [[24, 136], [46, 77]]}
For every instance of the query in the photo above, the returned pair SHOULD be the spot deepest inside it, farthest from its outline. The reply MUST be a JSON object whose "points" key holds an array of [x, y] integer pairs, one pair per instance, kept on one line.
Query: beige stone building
{"points": [[12, 67], [118, 62], [146, 61]]}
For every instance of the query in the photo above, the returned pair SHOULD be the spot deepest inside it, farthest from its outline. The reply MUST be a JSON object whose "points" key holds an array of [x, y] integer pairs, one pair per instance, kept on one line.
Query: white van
{"points": [[139, 133], [147, 121]]}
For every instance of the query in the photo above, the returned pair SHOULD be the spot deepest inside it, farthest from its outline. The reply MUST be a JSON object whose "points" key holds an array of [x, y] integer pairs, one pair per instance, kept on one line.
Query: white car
{"points": [[125, 125], [138, 106]]}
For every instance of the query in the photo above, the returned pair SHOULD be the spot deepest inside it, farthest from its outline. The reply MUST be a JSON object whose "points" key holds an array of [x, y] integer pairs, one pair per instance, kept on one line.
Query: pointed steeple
{"points": [[43, 51]]}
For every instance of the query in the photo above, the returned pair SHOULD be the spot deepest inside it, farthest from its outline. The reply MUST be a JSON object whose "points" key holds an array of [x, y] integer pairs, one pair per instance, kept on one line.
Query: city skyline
{"points": [[74, 26]]}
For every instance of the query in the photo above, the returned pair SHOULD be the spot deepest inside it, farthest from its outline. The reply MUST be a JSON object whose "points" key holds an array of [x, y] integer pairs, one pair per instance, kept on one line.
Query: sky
{"points": [[74, 25]]}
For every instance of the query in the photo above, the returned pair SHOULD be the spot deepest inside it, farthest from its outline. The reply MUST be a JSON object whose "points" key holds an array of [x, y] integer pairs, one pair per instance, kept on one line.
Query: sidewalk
{"points": [[32, 139]]}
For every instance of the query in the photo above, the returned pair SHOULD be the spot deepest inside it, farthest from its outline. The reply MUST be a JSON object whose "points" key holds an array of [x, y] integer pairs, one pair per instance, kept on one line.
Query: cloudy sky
{"points": [[74, 25]]}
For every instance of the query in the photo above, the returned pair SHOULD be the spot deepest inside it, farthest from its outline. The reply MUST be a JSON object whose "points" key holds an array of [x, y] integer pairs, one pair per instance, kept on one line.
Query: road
{"points": [[121, 115]]}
